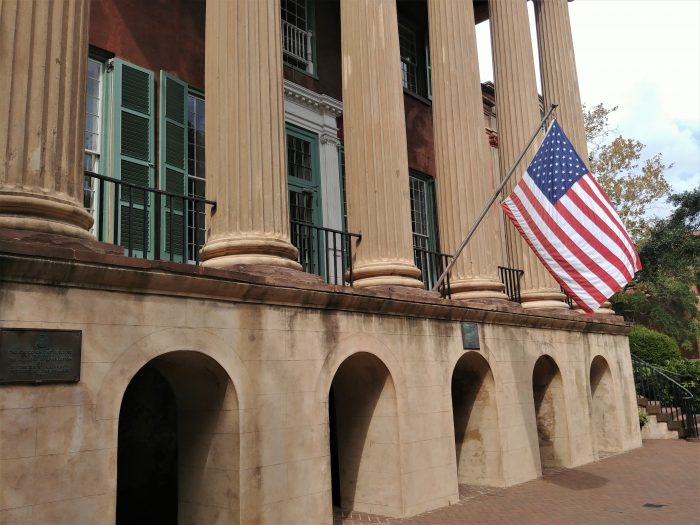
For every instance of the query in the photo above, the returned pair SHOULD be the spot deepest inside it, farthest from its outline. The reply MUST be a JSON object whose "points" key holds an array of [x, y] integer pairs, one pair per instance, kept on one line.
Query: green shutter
{"points": [[133, 155], [173, 166]]}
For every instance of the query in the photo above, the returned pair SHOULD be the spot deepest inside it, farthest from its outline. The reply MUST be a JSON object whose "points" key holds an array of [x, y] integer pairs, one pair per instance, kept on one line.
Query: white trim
{"points": [[318, 114]]}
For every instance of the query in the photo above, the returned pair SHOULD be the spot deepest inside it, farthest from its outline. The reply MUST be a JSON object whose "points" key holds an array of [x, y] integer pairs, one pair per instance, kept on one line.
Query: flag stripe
{"points": [[582, 256], [575, 210], [557, 250], [569, 222], [585, 201], [595, 191], [569, 284]]}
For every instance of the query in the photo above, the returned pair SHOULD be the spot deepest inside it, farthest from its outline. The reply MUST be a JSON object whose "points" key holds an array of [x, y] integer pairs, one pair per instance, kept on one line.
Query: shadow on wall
{"points": [[550, 411], [178, 447], [604, 415], [364, 437], [475, 416]]}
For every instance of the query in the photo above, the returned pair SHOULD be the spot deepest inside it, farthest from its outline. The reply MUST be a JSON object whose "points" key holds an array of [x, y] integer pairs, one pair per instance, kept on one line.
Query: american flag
{"points": [[567, 219]]}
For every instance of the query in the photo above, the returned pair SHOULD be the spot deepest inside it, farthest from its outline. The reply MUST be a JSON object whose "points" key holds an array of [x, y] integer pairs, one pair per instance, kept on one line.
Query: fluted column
{"points": [[464, 181], [518, 115], [43, 61], [559, 78], [376, 162], [246, 169], [558, 70]]}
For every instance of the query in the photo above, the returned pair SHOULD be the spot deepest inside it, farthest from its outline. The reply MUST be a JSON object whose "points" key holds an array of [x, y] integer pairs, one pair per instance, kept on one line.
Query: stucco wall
{"points": [[58, 443]]}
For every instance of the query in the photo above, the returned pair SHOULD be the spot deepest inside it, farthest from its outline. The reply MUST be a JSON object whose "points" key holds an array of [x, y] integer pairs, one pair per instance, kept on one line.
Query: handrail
{"points": [[325, 252], [663, 372], [510, 277], [667, 394], [431, 264], [153, 205]]}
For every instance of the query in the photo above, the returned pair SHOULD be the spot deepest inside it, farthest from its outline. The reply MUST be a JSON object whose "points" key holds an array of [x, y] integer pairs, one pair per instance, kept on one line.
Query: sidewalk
{"points": [[656, 484]]}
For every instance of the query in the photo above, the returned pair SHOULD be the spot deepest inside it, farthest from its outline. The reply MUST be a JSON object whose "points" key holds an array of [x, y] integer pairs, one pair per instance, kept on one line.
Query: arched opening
{"points": [[603, 408], [364, 437], [550, 411], [178, 444], [475, 416]]}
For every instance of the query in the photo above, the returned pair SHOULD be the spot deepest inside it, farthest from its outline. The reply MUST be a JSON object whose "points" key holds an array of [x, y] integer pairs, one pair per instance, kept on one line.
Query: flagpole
{"points": [[493, 198]]}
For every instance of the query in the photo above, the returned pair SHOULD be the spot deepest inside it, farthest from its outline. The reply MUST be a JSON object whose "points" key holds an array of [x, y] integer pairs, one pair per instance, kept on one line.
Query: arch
{"points": [[550, 413], [121, 372], [476, 426], [203, 428], [604, 408], [364, 442]]}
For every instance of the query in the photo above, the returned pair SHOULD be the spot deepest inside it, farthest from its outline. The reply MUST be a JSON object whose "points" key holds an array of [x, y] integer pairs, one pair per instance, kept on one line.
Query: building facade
{"points": [[237, 209]]}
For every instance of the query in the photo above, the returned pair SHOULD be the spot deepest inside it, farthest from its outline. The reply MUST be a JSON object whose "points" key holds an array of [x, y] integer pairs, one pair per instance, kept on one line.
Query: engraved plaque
{"points": [[38, 356], [470, 336]]}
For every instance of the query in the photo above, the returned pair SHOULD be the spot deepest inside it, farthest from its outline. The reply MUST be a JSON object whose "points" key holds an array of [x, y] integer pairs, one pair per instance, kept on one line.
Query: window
{"points": [[303, 182], [195, 173], [415, 65], [423, 225], [93, 132], [297, 35], [409, 59], [120, 128]]}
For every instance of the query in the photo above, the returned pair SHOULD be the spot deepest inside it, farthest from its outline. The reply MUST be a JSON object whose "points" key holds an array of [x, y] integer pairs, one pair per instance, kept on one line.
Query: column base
{"points": [[395, 273], [543, 299], [228, 252], [477, 289], [605, 309], [46, 214]]}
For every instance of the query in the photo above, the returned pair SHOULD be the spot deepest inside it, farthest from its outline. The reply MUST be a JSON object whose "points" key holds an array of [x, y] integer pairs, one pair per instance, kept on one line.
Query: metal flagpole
{"points": [[493, 199]]}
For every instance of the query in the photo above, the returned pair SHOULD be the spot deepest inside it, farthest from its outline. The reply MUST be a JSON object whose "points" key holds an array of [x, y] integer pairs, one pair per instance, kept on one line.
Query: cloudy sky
{"points": [[642, 56]]}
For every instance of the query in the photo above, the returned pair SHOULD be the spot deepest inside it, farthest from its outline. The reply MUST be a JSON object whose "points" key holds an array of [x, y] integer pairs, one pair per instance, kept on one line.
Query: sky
{"points": [[642, 56]]}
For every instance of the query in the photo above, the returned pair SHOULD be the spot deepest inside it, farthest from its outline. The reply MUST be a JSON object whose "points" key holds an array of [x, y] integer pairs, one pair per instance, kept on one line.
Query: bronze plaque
{"points": [[39, 356], [470, 336]]}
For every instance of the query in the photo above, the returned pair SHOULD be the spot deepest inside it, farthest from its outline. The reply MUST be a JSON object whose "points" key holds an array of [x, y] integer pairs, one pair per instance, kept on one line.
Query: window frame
{"points": [[430, 211], [311, 27]]}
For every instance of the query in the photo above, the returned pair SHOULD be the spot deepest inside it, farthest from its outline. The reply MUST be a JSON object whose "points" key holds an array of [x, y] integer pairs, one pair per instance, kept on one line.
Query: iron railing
{"points": [[324, 251], [510, 277], [147, 222], [296, 44], [660, 390], [432, 264], [567, 298]]}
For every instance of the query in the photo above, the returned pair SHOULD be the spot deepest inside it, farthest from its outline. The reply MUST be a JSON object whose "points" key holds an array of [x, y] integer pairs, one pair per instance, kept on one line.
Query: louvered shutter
{"points": [[173, 166], [133, 159]]}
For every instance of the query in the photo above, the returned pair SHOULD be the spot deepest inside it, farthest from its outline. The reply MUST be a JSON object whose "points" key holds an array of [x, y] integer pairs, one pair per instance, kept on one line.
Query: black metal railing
{"points": [[661, 390], [510, 277], [324, 251], [432, 264], [147, 222], [567, 298]]}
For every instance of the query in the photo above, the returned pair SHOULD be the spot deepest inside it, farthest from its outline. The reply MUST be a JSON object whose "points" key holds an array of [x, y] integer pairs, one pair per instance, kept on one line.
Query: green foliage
{"points": [[653, 347], [662, 296], [688, 376], [632, 185], [643, 417]]}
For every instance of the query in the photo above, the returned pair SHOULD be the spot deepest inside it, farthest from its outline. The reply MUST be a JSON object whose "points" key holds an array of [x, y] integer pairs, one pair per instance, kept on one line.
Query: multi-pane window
{"points": [[420, 213], [93, 135], [297, 34], [195, 173], [425, 245], [299, 158], [409, 58]]}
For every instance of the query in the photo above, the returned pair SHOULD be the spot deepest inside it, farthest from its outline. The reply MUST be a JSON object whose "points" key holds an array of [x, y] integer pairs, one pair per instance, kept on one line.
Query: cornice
{"points": [[311, 99]]}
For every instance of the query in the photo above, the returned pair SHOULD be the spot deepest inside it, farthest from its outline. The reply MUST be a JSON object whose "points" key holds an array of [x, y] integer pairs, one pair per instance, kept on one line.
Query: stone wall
{"points": [[255, 447]]}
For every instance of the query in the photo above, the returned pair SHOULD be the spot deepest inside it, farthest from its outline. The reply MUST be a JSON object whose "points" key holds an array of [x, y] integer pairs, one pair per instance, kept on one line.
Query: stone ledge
{"points": [[25, 258]]}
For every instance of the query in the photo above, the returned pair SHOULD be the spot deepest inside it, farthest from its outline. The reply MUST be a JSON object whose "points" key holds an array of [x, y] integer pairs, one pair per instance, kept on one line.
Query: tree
{"points": [[662, 295], [632, 187]]}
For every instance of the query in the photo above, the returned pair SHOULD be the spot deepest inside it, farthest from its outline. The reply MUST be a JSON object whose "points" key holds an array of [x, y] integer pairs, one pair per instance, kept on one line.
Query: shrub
{"points": [[653, 347]]}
